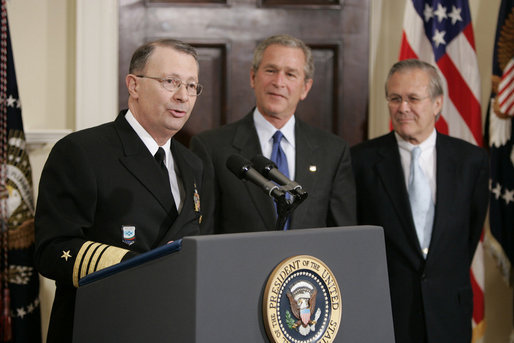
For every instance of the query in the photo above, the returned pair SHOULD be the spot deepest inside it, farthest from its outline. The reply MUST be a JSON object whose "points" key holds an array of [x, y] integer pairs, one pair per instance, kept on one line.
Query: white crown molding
{"points": [[39, 138]]}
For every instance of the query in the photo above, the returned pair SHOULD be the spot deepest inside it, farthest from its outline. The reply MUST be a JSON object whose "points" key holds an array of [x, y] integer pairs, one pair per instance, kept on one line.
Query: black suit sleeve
{"points": [[479, 200], [66, 205]]}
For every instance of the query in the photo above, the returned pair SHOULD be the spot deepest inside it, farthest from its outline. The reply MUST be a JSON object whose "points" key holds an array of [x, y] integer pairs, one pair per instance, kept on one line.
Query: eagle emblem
{"points": [[302, 302], [302, 299]]}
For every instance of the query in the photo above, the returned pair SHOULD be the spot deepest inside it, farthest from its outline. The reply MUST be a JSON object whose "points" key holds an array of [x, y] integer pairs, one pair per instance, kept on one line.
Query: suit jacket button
{"points": [[423, 276]]}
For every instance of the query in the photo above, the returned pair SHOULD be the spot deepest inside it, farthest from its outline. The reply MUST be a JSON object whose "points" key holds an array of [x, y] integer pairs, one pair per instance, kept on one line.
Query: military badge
{"points": [[302, 302], [129, 234], [196, 200], [66, 255]]}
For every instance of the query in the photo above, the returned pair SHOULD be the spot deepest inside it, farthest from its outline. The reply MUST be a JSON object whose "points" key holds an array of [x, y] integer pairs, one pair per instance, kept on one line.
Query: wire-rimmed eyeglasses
{"points": [[172, 84], [412, 100]]}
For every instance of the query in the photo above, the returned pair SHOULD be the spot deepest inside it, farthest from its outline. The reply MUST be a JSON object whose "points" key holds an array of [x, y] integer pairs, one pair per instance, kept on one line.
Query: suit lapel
{"points": [[188, 212], [138, 160], [246, 142], [388, 169], [446, 178], [306, 161]]}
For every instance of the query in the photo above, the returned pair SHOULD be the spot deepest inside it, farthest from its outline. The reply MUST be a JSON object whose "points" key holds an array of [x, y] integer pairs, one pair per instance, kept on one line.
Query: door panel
{"points": [[226, 33]]}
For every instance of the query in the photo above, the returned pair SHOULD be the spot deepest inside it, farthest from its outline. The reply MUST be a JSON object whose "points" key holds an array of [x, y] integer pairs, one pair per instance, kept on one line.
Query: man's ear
{"points": [[132, 86], [252, 77], [306, 88], [438, 106]]}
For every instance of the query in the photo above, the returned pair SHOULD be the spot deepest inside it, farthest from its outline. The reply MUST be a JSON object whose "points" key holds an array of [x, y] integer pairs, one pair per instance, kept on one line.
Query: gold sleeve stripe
{"points": [[78, 262], [94, 260], [98, 259], [94, 256], [111, 256], [91, 254]]}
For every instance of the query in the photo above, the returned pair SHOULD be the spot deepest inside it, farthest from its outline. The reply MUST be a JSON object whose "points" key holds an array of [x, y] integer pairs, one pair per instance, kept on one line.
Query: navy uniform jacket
{"points": [[323, 169], [431, 297], [95, 183]]}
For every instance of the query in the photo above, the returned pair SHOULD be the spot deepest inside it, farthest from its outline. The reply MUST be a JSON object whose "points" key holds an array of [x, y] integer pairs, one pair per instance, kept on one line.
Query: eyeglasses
{"points": [[172, 84], [411, 100]]}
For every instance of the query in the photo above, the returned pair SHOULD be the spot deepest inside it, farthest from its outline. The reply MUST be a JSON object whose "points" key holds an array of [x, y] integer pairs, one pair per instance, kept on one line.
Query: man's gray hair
{"points": [[141, 55], [435, 87]]}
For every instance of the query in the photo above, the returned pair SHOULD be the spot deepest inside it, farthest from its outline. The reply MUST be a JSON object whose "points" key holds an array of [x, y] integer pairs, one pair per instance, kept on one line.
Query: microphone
{"points": [[242, 168], [269, 169]]}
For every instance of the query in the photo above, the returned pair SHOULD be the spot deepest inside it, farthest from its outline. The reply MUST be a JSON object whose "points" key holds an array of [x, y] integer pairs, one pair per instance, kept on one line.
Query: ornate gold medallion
{"points": [[302, 302]]}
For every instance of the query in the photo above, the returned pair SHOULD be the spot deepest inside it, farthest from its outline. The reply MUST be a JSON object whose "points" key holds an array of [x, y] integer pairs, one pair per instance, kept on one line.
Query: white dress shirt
{"points": [[174, 173], [265, 131]]}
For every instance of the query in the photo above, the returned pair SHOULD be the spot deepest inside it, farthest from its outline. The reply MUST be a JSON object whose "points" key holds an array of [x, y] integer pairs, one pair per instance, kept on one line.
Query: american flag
{"points": [[440, 33]]}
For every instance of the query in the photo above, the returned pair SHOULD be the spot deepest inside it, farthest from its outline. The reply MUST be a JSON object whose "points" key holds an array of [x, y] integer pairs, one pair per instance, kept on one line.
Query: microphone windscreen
{"points": [[263, 164], [238, 165]]}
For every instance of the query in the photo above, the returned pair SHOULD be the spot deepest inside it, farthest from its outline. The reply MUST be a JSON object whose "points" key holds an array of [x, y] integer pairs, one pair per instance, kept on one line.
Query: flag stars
{"points": [[438, 38], [20, 312], [508, 196], [11, 101], [428, 12], [455, 15], [440, 13], [497, 190]]}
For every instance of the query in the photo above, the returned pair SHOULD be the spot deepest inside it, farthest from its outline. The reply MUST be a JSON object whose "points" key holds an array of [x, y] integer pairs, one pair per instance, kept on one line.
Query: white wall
{"points": [[65, 53], [66, 62], [43, 36]]}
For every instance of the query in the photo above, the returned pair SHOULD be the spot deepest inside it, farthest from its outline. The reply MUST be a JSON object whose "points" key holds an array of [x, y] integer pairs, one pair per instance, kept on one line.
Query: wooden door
{"points": [[225, 33]]}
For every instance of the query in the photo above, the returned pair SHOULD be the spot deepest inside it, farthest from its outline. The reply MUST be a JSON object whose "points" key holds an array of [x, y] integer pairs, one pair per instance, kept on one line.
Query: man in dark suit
{"points": [[431, 235], [281, 77], [103, 197]]}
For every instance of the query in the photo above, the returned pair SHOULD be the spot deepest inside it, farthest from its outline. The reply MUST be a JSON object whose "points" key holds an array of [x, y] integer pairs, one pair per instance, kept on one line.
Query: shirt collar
{"points": [[265, 130], [149, 142], [427, 144]]}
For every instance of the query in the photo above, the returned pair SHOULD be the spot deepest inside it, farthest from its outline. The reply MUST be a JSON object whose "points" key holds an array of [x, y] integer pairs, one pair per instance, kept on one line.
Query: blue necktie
{"points": [[279, 158], [420, 197]]}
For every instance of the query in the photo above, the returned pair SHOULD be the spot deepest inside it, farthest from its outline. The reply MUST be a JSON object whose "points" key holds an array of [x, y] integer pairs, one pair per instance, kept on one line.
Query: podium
{"points": [[212, 289]]}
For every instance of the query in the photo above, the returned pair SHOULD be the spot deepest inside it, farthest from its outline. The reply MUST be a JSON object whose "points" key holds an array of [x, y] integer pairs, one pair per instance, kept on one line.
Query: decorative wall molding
{"points": [[38, 138]]}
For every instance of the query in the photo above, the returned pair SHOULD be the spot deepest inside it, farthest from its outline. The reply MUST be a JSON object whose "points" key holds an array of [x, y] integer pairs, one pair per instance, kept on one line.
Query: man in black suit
{"points": [[281, 77], [103, 197], [430, 238]]}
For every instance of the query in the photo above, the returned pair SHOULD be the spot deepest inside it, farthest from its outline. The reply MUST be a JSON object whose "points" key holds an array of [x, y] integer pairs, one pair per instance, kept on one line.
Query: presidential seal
{"points": [[302, 302]]}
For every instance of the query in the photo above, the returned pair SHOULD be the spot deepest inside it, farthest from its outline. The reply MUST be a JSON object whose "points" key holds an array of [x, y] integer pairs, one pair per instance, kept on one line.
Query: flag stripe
{"points": [[461, 96], [478, 304], [461, 49], [506, 90], [406, 50], [506, 93]]}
